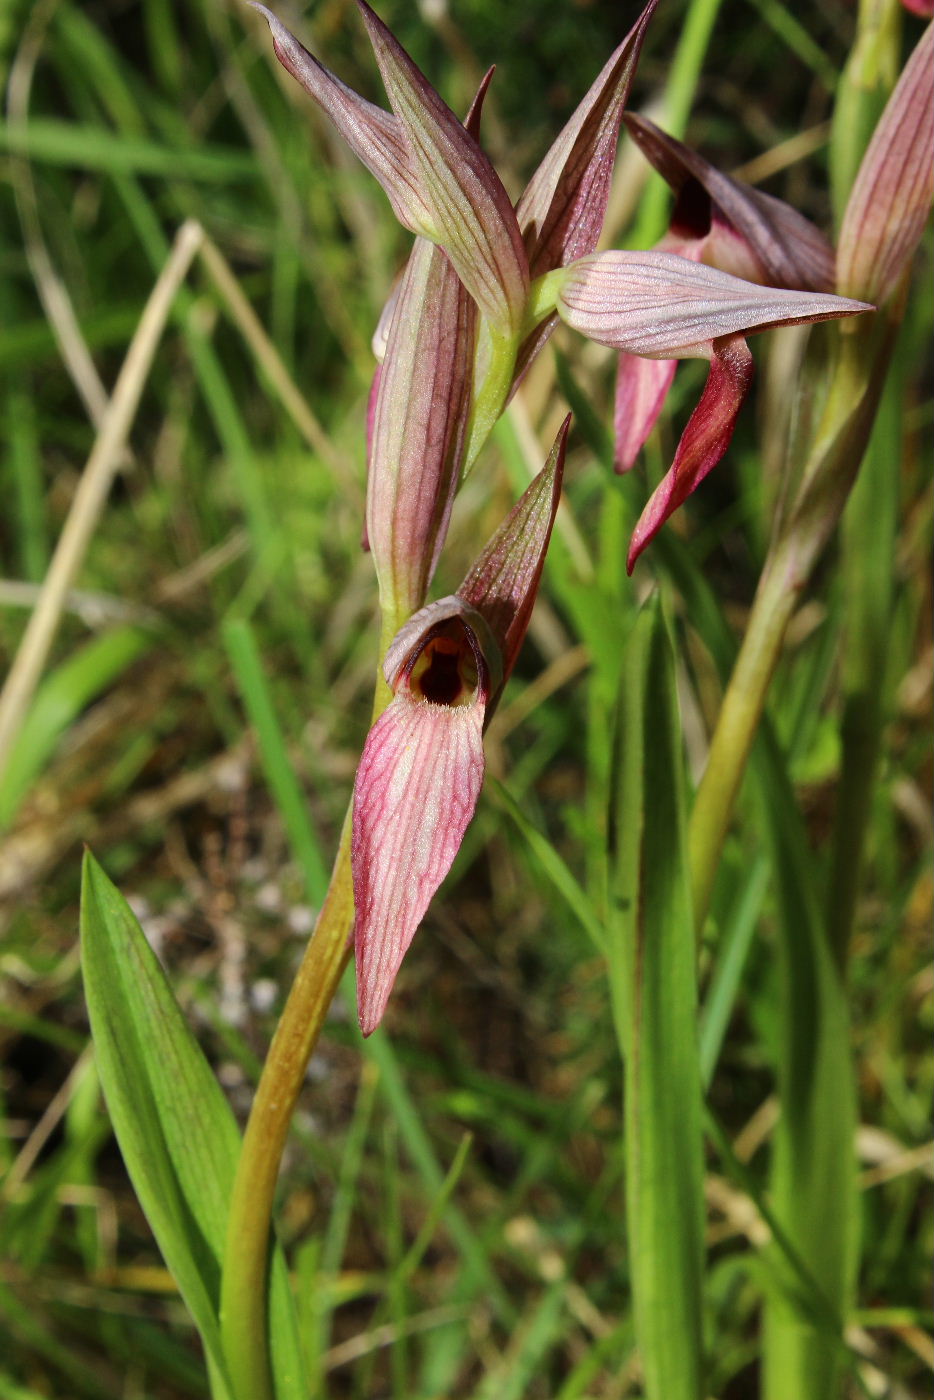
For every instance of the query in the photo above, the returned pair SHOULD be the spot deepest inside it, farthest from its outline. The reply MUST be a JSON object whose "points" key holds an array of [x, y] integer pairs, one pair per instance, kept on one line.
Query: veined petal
{"points": [[641, 389], [504, 580], [665, 307], [789, 250], [375, 137], [891, 197], [418, 425], [472, 216], [564, 204], [416, 790], [704, 441]]}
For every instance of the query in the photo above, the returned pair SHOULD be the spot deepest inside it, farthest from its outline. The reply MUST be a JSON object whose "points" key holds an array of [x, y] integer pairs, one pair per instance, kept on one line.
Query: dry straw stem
{"points": [[92, 491], [267, 356]]}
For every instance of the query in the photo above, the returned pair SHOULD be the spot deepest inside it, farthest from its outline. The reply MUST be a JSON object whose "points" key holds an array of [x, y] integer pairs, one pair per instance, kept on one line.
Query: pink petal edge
{"points": [[417, 787], [704, 440]]}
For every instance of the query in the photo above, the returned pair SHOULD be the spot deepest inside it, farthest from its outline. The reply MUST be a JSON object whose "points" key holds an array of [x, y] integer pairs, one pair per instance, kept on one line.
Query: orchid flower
{"points": [[662, 306], [728, 225], [526, 267], [422, 765]]}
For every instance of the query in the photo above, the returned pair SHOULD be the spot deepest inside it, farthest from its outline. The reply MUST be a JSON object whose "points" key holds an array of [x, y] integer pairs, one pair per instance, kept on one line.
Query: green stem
{"points": [[831, 469], [492, 395], [244, 1284], [736, 726], [245, 1274]]}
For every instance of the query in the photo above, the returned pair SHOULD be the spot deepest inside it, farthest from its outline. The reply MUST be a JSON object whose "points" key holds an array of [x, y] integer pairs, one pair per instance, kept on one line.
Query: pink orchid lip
{"points": [[417, 787], [704, 441]]}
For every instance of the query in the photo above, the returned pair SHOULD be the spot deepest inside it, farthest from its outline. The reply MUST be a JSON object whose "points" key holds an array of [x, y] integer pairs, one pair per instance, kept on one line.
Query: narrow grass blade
{"points": [[59, 700], [813, 1166], [280, 775], [98, 148], [651, 956], [176, 1131]]}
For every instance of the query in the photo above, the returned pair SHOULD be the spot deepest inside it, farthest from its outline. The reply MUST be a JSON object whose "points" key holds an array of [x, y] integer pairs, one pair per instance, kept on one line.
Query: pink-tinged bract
{"points": [[472, 215], [375, 137], [891, 197], [562, 209], [418, 424], [704, 440], [503, 582], [439, 182]]}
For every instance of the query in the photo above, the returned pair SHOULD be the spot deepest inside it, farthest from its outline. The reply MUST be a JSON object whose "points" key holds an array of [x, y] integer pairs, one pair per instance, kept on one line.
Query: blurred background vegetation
{"points": [[214, 664]]}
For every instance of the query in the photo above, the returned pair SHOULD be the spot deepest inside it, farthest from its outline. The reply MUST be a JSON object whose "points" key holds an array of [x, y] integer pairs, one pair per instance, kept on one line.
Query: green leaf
{"points": [[813, 1186], [652, 959], [176, 1131], [59, 700]]}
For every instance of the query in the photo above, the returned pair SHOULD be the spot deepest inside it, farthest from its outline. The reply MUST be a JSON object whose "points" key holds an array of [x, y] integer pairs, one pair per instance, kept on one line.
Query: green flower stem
{"points": [[736, 728], [830, 472], [492, 393], [245, 1282], [543, 300], [244, 1285]]}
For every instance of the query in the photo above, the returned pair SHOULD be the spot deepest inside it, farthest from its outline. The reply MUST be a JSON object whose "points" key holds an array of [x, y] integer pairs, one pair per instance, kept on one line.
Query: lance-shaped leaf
{"points": [[562, 209], [422, 765], [666, 307], [704, 440], [742, 230], [418, 424], [891, 197], [471, 212]]}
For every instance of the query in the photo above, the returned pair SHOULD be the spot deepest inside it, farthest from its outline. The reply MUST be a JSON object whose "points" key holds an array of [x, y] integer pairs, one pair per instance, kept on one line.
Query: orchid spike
{"points": [[439, 182], [664, 307], [422, 765], [891, 197]]}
